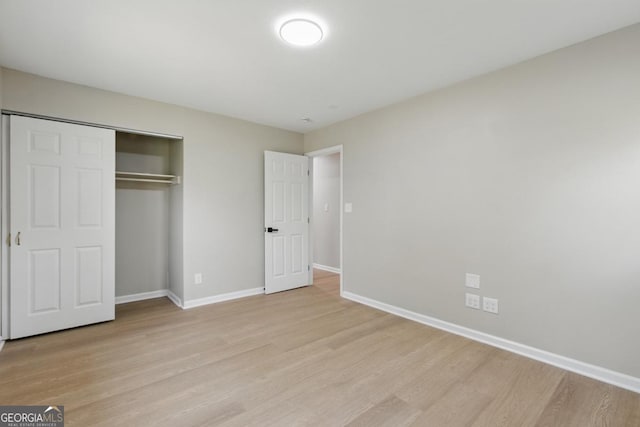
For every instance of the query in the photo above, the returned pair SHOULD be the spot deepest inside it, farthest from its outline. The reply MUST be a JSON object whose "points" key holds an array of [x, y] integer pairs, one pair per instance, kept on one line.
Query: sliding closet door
{"points": [[62, 222]]}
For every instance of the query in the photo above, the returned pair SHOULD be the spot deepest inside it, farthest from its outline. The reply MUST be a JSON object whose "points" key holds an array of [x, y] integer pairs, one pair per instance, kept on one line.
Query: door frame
{"points": [[4, 228], [318, 153]]}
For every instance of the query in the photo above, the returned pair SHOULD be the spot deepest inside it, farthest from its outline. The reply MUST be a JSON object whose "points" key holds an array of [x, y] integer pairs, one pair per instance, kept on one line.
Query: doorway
{"points": [[326, 215]]}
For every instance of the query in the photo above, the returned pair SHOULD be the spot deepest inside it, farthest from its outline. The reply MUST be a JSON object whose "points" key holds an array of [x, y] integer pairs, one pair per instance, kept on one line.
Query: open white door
{"points": [[286, 221], [62, 222]]}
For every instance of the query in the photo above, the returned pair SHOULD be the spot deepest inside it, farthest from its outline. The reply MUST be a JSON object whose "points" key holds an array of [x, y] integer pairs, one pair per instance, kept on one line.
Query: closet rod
{"points": [[161, 181], [95, 125], [145, 175]]}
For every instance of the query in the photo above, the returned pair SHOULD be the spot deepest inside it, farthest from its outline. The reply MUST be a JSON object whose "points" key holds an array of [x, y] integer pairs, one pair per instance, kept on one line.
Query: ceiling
{"points": [[224, 56]]}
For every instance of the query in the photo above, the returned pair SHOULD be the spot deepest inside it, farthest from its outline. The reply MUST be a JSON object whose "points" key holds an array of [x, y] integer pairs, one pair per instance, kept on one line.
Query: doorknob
{"points": [[18, 239], [272, 230]]}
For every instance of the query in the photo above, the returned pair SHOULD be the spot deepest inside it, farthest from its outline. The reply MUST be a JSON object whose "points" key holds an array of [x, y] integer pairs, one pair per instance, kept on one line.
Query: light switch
{"points": [[348, 208], [326, 207]]}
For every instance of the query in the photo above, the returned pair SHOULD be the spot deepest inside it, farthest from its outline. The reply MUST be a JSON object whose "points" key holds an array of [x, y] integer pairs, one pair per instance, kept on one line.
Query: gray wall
{"points": [[223, 186], [529, 177], [142, 238], [326, 223]]}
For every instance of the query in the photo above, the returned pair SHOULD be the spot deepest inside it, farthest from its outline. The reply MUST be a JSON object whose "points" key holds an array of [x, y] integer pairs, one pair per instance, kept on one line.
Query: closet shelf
{"points": [[147, 177]]}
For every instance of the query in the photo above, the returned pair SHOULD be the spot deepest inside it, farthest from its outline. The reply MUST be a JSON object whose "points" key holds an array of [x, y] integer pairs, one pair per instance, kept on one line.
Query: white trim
{"points": [[4, 226], [142, 296], [596, 372], [174, 298], [311, 239], [324, 152], [1, 343], [326, 268], [94, 125], [222, 297]]}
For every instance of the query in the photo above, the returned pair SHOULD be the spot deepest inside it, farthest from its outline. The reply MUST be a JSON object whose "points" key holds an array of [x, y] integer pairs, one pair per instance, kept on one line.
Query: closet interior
{"points": [[148, 217]]}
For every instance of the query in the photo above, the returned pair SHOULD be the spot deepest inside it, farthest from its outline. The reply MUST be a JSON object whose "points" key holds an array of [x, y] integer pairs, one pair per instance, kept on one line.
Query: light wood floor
{"points": [[303, 357]]}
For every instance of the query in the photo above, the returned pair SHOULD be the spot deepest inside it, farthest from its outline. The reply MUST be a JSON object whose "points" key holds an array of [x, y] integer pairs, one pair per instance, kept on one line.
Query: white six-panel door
{"points": [[286, 206], [62, 223]]}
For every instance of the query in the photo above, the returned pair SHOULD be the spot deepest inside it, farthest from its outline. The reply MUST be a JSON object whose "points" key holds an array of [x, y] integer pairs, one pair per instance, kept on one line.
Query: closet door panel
{"points": [[88, 280], [44, 197], [45, 142], [62, 222], [44, 281], [90, 197]]}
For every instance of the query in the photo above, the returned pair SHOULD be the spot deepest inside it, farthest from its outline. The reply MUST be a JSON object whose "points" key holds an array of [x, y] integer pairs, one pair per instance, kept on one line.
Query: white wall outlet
{"points": [[197, 278], [472, 301], [348, 207], [490, 305], [472, 281]]}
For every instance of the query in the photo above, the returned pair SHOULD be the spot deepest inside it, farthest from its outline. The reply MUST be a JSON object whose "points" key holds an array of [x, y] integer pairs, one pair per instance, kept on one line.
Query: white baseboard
{"points": [[222, 297], [1, 343], [174, 299], [326, 268], [596, 372], [142, 296]]}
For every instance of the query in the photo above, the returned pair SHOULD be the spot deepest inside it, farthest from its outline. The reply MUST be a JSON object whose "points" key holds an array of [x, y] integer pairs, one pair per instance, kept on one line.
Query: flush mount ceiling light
{"points": [[301, 32]]}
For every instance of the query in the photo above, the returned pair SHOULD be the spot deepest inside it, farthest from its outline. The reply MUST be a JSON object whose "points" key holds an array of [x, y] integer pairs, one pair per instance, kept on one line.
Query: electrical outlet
{"points": [[197, 278], [472, 281], [490, 305], [472, 301]]}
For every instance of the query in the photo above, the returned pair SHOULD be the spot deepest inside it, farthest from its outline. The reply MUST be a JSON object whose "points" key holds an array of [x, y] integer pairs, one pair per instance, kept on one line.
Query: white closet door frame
{"points": [[4, 228]]}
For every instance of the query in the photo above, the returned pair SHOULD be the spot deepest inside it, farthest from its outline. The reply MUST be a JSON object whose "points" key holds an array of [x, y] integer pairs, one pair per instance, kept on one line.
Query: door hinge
{"points": [[308, 220], [307, 172], [308, 267], [9, 240]]}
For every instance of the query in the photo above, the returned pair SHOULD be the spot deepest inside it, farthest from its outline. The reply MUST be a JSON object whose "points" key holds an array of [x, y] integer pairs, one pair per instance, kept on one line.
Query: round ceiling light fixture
{"points": [[301, 32]]}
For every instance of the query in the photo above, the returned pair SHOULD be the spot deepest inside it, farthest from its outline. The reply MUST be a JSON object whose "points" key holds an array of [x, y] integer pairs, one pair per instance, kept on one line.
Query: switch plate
{"points": [[348, 207], [197, 278], [472, 301], [472, 281], [326, 207], [490, 305]]}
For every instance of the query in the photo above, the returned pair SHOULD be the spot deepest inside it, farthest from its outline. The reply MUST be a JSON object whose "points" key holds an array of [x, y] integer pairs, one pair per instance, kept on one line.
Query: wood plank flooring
{"points": [[303, 357]]}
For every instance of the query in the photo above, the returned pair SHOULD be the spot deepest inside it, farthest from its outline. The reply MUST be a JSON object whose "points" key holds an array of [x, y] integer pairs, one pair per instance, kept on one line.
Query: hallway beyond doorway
{"points": [[327, 282]]}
